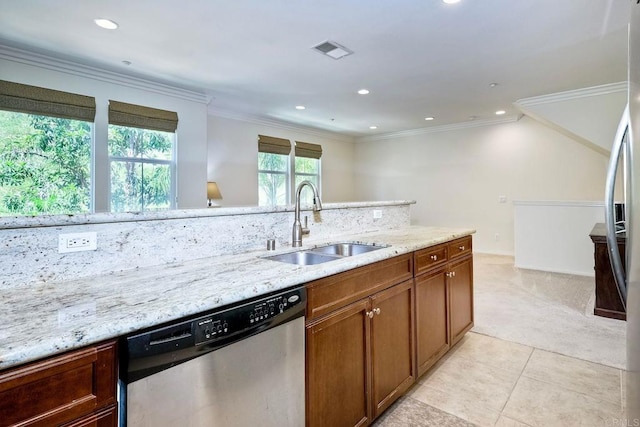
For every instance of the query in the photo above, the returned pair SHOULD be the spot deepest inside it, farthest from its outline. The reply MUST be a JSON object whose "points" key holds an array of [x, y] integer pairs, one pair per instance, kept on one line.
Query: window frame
{"points": [[286, 174], [290, 176], [294, 175], [90, 146], [172, 163]]}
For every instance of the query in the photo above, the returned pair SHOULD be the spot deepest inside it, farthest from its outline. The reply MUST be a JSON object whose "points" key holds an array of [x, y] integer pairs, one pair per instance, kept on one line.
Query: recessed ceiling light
{"points": [[429, 118], [493, 84], [363, 91], [500, 112], [373, 127], [300, 107], [107, 24], [472, 117], [450, 1]]}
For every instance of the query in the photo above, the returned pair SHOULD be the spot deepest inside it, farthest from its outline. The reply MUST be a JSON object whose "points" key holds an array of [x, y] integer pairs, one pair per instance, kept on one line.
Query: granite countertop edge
{"points": [[46, 319]]}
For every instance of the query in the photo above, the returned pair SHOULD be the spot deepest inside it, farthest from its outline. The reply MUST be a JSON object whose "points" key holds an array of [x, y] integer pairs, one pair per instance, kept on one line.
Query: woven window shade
{"points": [[46, 102], [305, 149], [137, 116], [269, 144]]}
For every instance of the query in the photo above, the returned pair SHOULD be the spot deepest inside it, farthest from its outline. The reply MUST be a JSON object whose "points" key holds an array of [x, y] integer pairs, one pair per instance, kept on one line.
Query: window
{"points": [[45, 151], [141, 157], [276, 183], [307, 167], [273, 170]]}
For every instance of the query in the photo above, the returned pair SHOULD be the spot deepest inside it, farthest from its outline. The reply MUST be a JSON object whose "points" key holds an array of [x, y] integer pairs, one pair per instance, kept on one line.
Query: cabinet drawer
{"points": [[59, 389], [330, 293], [459, 247], [428, 258], [105, 418]]}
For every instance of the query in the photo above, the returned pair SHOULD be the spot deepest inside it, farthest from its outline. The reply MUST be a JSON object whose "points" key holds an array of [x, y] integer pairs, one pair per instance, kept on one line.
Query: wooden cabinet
{"points": [[460, 281], [76, 388], [392, 346], [432, 318], [608, 302], [372, 331], [338, 377], [360, 356], [444, 299]]}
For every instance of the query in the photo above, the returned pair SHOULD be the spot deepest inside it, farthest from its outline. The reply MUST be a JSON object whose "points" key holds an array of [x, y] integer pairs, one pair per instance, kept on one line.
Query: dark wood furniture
{"points": [[608, 302], [76, 389]]}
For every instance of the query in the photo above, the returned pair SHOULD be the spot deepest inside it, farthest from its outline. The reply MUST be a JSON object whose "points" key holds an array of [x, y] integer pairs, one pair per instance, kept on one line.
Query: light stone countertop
{"points": [[42, 320]]}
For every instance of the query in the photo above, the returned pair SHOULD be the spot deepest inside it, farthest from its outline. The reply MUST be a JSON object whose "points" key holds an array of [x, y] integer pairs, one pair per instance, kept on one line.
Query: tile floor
{"points": [[532, 377]]}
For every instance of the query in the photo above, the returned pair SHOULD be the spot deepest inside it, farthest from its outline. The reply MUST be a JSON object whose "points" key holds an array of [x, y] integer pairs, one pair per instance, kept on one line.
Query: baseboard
{"points": [[551, 270], [493, 253]]}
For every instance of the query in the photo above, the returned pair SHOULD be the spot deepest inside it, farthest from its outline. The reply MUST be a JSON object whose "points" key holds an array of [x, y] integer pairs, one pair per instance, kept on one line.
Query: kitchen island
{"points": [[83, 319], [45, 319]]}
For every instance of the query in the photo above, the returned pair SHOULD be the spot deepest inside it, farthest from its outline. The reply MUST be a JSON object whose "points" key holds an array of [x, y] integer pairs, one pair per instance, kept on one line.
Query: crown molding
{"points": [[73, 68], [573, 94], [280, 124], [438, 129]]}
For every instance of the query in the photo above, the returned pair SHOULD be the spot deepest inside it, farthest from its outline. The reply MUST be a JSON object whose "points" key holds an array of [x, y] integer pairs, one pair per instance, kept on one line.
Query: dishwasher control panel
{"points": [[244, 318]]}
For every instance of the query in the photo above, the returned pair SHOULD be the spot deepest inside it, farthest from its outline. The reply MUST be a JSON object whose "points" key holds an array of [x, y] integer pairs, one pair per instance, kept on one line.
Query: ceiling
{"points": [[417, 58]]}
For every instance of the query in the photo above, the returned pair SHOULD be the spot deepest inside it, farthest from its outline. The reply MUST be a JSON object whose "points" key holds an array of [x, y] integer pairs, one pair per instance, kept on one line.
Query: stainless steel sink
{"points": [[303, 258], [346, 249], [325, 253]]}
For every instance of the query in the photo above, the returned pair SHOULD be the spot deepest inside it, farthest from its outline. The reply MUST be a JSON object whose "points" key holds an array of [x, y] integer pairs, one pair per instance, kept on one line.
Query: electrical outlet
{"points": [[496, 237], [377, 214], [502, 199], [77, 242]]}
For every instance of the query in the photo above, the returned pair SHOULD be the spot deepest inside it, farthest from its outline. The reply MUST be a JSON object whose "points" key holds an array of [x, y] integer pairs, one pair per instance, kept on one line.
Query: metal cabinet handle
{"points": [[434, 257], [461, 247], [370, 314], [376, 310], [451, 274]]}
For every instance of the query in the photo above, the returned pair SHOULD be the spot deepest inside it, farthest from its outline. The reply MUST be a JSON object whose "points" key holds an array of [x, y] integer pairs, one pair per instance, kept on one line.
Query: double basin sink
{"points": [[323, 254]]}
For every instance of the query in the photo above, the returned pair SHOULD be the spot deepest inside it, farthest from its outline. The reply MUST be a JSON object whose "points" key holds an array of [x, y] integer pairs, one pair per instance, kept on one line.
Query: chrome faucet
{"points": [[298, 231]]}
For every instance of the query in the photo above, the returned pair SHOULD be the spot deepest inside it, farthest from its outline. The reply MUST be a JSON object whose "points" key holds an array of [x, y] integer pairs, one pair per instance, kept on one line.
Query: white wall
{"points": [[233, 159], [590, 114], [192, 115], [554, 236], [457, 176]]}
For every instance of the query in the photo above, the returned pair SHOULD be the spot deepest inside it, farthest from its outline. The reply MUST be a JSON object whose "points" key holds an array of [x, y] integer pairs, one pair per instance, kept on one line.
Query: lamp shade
{"points": [[213, 192]]}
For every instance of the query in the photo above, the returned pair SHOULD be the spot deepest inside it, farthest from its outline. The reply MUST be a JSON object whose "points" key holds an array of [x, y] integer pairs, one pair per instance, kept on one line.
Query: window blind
{"points": [[46, 102], [305, 149], [137, 116], [270, 144]]}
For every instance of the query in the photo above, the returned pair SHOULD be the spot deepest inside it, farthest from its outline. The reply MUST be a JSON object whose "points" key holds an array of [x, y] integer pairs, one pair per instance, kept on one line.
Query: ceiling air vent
{"points": [[332, 49]]}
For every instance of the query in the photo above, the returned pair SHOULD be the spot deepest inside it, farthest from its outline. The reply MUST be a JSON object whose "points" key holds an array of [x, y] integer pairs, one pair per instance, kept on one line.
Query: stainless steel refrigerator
{"points": [[625, 159]]}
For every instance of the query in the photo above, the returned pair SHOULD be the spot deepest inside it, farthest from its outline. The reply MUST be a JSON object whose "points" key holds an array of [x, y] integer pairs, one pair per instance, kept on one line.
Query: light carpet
{"points": [[549, 311]]}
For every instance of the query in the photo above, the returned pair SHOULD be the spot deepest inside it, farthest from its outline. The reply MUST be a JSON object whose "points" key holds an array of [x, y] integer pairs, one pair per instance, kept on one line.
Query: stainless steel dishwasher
{"points": [[239, 366]]}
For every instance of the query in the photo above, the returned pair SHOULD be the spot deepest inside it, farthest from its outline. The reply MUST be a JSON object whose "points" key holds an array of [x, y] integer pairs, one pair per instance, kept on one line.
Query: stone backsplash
{"points": [[29, 246]]}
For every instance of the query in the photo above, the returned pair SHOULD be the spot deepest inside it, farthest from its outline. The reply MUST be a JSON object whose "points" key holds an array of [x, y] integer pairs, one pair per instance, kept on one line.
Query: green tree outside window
{"points": [[45, 165]]}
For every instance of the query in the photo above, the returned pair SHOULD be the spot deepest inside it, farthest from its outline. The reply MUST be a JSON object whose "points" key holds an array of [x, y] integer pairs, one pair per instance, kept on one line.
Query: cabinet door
{"points": [[338, 374], [460, 298], [392, 344], [432, 326], [59, 389]]}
